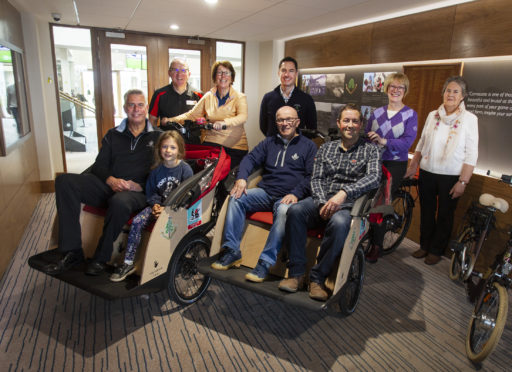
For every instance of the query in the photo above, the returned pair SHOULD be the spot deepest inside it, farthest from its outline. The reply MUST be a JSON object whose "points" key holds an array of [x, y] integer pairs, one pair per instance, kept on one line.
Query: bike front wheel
{"points": [[487, 323], [186, 284], [398, 223]]}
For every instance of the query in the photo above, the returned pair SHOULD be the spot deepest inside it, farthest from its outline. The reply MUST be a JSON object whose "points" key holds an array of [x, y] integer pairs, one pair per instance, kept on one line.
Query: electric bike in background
{"points": [[490, 312]]}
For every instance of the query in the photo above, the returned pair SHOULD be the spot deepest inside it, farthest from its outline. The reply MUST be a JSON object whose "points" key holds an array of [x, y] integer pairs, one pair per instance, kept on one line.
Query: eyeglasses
{"points": [[347, 121], [177, 70], [400, 88], [223, 73], [286, 120], [138, 105]]}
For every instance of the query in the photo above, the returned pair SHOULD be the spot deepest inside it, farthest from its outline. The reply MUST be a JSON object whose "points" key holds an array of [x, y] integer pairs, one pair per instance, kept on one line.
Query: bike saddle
{"points": [[489, 200]]}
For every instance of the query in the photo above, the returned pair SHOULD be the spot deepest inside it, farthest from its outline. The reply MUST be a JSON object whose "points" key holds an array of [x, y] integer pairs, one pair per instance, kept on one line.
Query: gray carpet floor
{"points": [[411, 317]]}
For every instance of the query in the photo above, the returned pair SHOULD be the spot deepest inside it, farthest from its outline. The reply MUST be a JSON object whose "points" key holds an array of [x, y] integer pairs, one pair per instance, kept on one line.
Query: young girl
{"points": [[168, 172]]}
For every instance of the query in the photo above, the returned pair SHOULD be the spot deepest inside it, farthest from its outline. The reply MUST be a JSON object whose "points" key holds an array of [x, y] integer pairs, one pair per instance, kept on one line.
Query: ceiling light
{"points": [[211, 1], [174, 27]]}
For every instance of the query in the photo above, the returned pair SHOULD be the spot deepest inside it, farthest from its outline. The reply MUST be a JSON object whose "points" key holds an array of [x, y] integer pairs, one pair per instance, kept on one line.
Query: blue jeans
{"points": [[304, 216], [256, 200]]}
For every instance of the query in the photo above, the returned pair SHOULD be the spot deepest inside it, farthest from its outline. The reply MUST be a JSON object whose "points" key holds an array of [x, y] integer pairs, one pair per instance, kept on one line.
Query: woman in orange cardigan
{"points": [[223, 105]]}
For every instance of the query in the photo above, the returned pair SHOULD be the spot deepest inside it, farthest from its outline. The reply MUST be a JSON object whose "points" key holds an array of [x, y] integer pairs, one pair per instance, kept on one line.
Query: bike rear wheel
{"points": [[487, 323], [349, 293], [460, 258], [398, 224]]}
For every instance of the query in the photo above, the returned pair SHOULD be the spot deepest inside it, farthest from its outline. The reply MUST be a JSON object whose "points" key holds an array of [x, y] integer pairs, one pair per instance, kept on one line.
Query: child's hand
{"points": [[157, 209]]}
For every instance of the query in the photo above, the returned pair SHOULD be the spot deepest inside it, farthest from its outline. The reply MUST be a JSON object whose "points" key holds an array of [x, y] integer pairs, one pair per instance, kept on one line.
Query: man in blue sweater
{"points": [[287, 160]]}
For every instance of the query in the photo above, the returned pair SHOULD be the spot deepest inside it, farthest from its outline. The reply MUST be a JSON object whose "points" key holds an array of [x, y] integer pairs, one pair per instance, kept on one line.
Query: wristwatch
{"points": [[463, 182]]}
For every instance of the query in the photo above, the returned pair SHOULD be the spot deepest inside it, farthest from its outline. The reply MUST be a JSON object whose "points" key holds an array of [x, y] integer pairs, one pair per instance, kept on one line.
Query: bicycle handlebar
{"points": [[502, 177]]}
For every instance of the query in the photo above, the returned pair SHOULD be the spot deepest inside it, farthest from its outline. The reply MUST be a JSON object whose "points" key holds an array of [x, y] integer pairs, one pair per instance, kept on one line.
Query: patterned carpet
{"points": [[411, 317]]}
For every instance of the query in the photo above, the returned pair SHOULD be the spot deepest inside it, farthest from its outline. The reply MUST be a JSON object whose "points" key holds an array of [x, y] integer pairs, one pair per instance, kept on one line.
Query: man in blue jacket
{"points": [[287, 94], [287, 160]]}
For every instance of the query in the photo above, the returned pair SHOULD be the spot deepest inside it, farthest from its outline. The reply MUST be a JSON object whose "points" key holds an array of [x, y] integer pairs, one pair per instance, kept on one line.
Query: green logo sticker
{"points": [[169, 230]]}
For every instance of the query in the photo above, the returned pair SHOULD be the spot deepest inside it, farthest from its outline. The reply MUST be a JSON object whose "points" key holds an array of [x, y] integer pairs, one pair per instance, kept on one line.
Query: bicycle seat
{"points": [[489, 200]]}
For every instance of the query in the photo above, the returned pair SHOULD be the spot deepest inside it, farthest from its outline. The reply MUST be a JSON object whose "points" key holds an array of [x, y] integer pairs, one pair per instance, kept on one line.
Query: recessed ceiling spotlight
{"points": [[174, 27], [211, 1]]}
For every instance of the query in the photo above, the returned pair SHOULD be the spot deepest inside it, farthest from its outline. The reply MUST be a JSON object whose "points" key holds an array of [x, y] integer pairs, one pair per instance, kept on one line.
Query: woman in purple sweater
{"points": [[393, 128]]}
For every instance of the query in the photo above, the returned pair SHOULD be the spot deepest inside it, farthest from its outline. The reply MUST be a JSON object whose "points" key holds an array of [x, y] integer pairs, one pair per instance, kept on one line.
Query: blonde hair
{"points": [[402, 78]]}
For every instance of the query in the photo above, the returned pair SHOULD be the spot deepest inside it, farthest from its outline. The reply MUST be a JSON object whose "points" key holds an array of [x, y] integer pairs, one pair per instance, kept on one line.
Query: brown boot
{"points": [[432, 259], [292, 284], [318, 292], [420, 253]]}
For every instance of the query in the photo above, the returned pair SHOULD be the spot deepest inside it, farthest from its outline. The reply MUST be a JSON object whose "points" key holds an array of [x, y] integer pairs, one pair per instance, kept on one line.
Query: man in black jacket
{"points": [[287, 94], [115, 182]]}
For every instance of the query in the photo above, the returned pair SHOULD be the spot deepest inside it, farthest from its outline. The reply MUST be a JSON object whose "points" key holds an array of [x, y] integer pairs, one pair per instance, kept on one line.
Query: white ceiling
{"points": [[242, 20]]}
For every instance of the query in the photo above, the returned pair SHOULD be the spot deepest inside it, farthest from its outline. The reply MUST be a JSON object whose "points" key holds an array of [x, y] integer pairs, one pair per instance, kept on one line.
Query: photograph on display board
{"points": [[374, 81], [373, 89], [314, 85], [323, 116], [324, 87], [334, 87], [367, 111]]}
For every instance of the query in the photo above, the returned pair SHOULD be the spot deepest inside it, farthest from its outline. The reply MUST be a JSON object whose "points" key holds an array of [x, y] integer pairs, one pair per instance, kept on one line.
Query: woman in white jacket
{"points": [[446, 154]]}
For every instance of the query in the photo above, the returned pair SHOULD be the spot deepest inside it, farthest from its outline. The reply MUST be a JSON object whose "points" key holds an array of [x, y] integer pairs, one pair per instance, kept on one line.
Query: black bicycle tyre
{"points": [[351, 290], [480, 320], [403, 205], [455, 270], [185, 284]]}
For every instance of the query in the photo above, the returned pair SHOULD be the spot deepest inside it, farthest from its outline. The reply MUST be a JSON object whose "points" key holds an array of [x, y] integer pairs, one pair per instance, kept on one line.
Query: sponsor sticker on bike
{"points": [[194, 214]]}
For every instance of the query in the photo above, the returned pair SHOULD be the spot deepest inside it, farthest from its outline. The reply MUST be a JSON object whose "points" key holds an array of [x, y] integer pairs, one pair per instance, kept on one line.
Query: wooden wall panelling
{"points": [[426, 84], [19, 172], [482, 28], [417, 37], [350, 46], [476, 29]]}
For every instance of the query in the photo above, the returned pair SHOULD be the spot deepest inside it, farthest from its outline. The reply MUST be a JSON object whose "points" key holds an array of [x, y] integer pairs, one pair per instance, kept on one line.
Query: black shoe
{"points": [[95, 268], [69, 260]]}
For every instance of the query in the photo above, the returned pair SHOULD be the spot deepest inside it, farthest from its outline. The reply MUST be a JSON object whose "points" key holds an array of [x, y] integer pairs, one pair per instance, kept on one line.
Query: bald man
{"points": [[287, 160]]}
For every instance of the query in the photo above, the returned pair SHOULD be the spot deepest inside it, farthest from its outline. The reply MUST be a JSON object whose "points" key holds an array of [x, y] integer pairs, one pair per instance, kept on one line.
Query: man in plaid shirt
{"points": [[343, 171]]}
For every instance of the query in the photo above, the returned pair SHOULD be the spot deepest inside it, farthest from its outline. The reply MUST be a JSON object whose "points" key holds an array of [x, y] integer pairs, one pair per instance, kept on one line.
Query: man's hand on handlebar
{"points": [[239, 188]]}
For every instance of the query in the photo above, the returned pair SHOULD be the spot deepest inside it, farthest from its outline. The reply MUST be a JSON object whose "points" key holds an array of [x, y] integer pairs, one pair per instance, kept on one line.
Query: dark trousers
{"points": [[397, 170], [437, 210], [73, 189], [305, 215]]}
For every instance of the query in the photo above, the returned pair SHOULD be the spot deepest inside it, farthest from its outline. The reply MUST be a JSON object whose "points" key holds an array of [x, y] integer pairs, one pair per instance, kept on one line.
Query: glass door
{"points": [[129, 71], [73, 61]]}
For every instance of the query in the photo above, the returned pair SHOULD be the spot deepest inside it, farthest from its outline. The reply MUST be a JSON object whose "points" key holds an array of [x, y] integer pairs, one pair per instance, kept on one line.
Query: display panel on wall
{"points": [[490, 98], [333, 89]]}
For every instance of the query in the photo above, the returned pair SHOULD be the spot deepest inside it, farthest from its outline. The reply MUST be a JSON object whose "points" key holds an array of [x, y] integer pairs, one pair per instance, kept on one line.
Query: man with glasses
{"points": [[173, 99], [287, 94], [115, 182], [287, 161], [343, 170]]}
